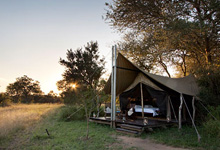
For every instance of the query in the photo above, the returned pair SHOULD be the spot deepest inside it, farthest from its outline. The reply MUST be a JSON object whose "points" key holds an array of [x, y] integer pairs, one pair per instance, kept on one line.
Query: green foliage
{"points": [[83, 69], [212, 125], [164, 33], [72, 113], [83, 66], [214, 111], [208, 80], [186, 138], [212, 128]]}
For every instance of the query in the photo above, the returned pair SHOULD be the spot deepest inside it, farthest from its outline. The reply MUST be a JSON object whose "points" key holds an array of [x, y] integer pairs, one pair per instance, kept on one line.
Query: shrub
{"points": [[208, 80], [71, 113], [5, 102], [212, 126]]}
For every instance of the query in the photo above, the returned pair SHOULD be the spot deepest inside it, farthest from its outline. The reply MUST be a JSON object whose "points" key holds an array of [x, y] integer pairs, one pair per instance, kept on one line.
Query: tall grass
{"points": [[68, 135], [20, 116]]}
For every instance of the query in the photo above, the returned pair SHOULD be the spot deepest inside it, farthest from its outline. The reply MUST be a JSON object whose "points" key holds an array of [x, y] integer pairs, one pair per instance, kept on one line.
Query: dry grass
{"points": [[20, 116]]}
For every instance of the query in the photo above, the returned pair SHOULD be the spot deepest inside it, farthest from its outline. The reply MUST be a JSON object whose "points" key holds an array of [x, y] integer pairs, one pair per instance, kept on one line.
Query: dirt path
{"points": [[143, 144]]}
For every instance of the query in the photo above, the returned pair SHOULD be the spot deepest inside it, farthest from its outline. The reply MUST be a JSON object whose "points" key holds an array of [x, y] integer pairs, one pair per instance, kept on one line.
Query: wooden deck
{"points": [[151, 123]]}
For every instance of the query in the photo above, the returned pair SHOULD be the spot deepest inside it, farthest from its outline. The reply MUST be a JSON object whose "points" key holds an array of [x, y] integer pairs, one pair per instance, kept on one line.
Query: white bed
{"points": [[147, 109]]}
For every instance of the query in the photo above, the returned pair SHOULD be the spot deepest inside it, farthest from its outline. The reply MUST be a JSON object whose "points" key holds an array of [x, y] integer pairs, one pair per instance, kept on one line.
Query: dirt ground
{"points": [[143, 144]]}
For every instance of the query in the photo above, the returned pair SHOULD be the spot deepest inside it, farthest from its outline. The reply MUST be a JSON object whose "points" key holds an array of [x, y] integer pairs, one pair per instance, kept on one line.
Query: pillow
{"points": [[148, 106], [137, 106]]}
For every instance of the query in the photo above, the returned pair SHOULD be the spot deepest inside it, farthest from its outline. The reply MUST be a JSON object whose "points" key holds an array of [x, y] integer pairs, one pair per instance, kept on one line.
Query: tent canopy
{"points": [[129, 75]]}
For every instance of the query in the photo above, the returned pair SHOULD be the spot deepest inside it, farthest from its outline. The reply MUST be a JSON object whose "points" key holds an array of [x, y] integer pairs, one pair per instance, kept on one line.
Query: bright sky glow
{"points": [[34, 34]]}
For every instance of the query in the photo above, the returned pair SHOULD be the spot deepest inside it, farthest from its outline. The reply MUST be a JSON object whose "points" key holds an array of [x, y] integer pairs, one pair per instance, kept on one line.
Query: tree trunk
{"points": [[208, 57], [165, 68], [87, 121]]}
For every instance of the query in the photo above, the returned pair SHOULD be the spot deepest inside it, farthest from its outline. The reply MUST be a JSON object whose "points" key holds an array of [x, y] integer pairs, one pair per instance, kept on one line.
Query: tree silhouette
{"points": [[23, 87]]}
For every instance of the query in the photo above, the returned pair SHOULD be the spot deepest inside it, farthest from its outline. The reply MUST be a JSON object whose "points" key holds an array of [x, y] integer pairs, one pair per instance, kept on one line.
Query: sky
{"points": [[35, 34]]}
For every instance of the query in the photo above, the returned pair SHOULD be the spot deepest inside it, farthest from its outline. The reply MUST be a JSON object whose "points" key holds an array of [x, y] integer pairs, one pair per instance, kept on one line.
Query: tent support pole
{"points": [[180, 109], [142, 100], [208, 111], [112, 87], [114, 92], [198, 135]]}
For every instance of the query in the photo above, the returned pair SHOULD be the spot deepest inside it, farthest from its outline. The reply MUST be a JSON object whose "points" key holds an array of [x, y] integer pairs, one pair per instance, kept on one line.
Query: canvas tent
{"points": [[129, 77], [127, 72]]}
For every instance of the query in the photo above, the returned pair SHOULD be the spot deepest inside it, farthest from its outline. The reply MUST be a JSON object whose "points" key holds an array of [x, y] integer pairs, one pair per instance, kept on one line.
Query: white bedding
{"points": [[147, 109]]}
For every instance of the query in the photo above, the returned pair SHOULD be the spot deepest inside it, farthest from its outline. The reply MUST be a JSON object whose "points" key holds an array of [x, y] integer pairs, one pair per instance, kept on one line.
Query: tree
{"points": [[209, 83], [83, 68], [23, 87], [146, 53], [184, 25]]}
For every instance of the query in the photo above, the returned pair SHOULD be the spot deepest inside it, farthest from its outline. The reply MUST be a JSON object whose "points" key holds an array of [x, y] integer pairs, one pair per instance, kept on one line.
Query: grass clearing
{"points": [[186, 138], [64, 135], [19, 117], [36, 118]]}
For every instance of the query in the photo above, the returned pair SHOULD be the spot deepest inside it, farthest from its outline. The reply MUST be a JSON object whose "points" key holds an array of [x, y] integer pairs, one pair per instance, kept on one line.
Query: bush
{"points": [[212, 126], [6, 102], [208, 80], [71, 113]]}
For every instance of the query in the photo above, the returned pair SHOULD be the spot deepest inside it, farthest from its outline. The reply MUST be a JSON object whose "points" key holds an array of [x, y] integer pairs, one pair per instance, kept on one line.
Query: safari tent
{"points": [[169, 100], [134, 85]]}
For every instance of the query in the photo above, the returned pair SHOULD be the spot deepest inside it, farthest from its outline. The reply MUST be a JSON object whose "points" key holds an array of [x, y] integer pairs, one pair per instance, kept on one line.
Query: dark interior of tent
{"points": [[156, 99]]}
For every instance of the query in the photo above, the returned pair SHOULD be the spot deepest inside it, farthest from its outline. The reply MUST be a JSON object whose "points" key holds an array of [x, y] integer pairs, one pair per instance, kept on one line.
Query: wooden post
{"points": [[142, 101], [180, 109]]}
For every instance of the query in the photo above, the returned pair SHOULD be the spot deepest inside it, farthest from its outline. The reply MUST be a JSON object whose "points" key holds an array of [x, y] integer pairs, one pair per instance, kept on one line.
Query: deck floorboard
{"points": [[151, 122]]}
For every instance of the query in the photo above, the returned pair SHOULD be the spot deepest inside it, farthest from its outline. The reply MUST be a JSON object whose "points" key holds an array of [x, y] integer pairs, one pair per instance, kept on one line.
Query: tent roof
{"points": [[127, 72], [141, 78]]}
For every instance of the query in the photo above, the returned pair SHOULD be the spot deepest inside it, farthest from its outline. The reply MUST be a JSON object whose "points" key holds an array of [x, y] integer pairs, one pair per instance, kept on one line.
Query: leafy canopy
{"points": [[24, 87], [83, 66], [163, 27]]}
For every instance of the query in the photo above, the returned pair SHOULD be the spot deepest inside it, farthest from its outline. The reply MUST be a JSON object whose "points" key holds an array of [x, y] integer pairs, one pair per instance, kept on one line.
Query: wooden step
{"points": [[100, 121], [121, 130], [131, 127]]}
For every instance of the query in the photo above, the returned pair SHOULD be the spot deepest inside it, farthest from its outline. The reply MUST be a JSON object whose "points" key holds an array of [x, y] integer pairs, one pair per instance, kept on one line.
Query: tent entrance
{"points": [[151, 99]]}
